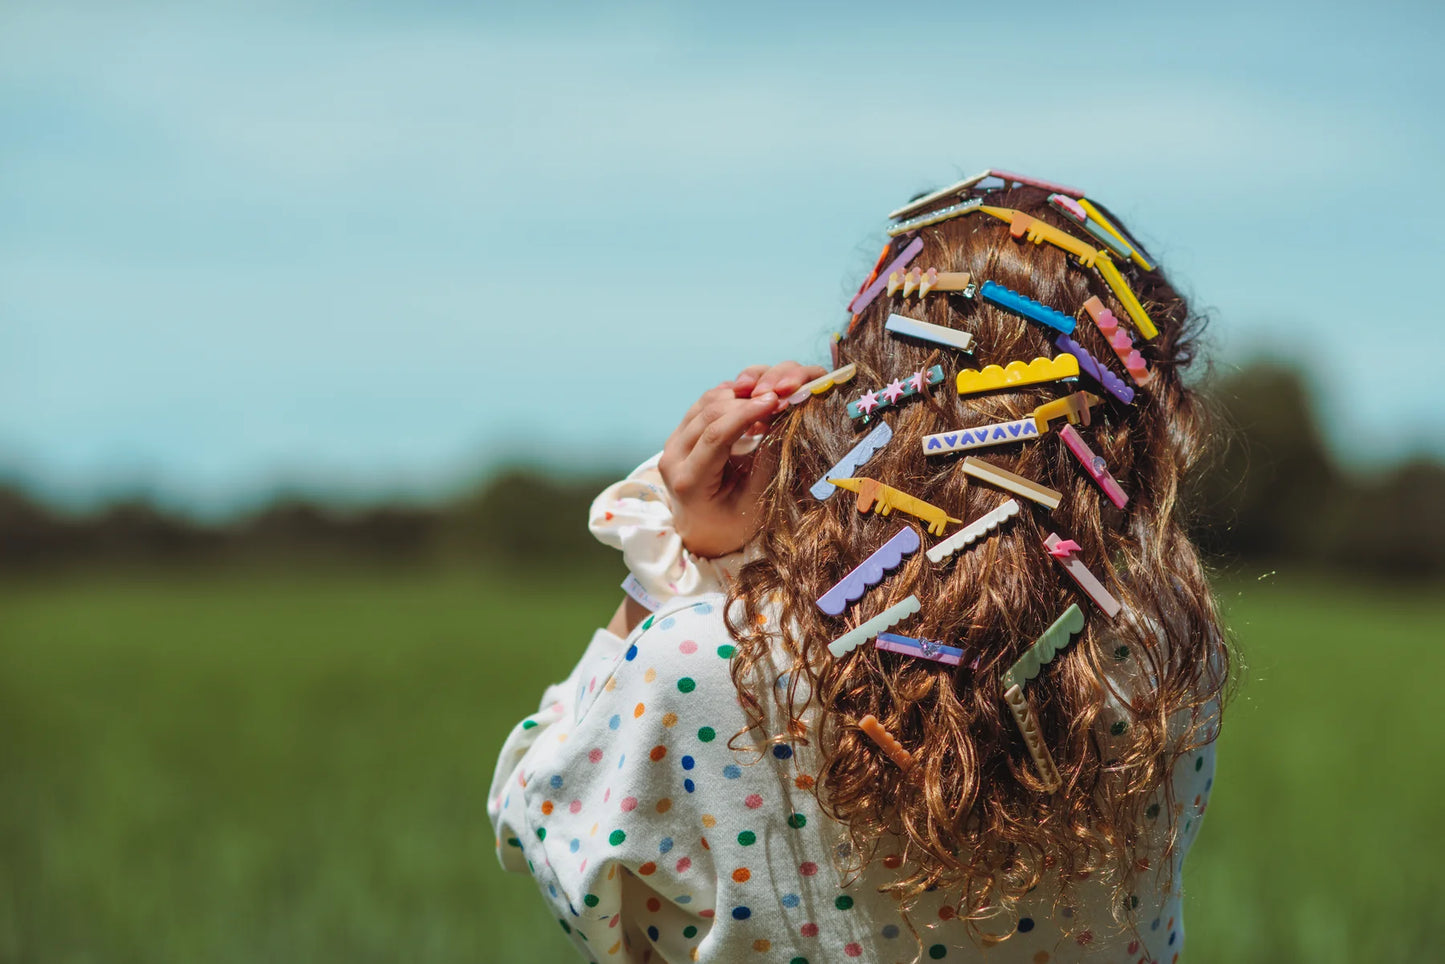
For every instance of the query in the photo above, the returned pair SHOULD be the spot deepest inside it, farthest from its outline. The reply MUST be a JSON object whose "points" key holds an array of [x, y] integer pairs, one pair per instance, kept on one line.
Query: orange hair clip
{"points": [[875, 730]]}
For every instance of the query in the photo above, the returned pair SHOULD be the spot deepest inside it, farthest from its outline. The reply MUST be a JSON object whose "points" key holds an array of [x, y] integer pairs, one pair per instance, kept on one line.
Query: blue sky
{"points": [[372, 249]]}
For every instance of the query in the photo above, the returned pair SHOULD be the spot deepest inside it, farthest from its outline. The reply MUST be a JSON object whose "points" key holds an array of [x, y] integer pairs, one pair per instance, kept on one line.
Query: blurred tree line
{"points": [[1271, 495]]}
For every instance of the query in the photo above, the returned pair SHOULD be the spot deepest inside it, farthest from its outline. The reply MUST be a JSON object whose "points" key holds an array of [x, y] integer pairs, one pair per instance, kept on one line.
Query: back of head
{"points": [[972, 809]]}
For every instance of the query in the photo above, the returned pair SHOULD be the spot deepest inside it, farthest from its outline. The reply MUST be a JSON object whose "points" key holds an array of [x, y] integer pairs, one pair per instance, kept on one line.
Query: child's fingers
{"points": [[786, 378], [714, 394], [747, 378], [720, 427]]}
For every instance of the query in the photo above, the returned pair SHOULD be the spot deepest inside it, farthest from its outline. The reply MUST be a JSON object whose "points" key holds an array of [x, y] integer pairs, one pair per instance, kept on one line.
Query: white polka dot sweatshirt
{"points": [[653, 841]]}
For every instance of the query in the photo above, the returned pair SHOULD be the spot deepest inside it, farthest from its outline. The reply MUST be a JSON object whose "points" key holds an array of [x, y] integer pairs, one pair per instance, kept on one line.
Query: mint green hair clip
{"points": [[1055, 640]]}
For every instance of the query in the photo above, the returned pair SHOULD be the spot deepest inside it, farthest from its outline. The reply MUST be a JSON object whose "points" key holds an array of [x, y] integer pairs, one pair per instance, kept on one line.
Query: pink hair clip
{"points": [[1035, 182], [1094, 465], [1120, 341], [1066, 552], [865, 297]]}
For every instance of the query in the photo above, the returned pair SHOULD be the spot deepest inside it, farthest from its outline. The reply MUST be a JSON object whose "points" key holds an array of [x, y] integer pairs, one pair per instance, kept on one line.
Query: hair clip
{"points": [[1065, 551], [1054, 641], [1136, 253], [971, 380], [938, 334], [1076, 213], [923, 202], [916, 279], [872, 493], [870, 571], [1035, 182], [870, 403], [823, 489], [1028, 724], [1125, 294], [1096, 369], [998, 433], [821, 384], [1076, 408], [1011, 300], [1120, 341], [835, 346], [925, 648], [865, 297], [889, 617], [974, 531], [1016, 484], [872, 275], [870, 725], [933, 217], [1093, 464], [1021, 225]]}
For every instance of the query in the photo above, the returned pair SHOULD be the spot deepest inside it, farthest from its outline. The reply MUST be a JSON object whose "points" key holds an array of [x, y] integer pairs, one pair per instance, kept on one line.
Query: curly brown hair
{"points": [[971, 811]]}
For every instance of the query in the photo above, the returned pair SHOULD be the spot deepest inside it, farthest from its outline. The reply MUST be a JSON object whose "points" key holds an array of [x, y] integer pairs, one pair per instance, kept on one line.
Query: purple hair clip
{"points": [[1092, 367], [870, 572], [926, 648]]}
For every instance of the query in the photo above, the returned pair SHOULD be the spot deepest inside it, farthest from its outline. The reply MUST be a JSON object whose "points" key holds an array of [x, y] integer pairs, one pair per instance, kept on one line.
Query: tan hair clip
{"points": [[876, 731], [1028, 723]]}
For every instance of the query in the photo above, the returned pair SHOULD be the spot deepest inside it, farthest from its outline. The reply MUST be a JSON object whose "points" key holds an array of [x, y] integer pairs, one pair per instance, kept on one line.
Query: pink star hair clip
{"points": [[871, 402]]}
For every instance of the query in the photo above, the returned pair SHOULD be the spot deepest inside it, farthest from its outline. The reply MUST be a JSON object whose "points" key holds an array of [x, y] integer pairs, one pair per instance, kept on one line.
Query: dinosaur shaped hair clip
{"points": [[883, 499]]}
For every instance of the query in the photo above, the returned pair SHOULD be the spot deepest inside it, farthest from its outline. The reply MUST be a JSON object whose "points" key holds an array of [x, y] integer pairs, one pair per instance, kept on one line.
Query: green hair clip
{"points": [[1054, 641]]}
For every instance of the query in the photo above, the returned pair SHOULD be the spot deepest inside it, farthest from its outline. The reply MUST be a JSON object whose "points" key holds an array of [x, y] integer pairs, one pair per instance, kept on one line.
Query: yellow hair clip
{"points": [[1025, 225], [1075, 407], [1095, 215], [1122, 291], [971, 380], [873, 494]]}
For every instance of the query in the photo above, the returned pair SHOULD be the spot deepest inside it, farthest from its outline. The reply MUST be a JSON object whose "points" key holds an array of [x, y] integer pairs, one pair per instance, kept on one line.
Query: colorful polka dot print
{"points": [[653, 840]]}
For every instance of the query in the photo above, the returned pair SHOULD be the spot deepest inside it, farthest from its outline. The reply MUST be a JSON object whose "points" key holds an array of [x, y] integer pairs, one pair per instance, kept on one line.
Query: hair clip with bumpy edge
{"points": [[924, 648], [1054, 641], [972, 380], [870, 571], [1026, 225], [871, 403], [934, 217], [822, 383], [925, 282], [974, 531], [865, 298], [901, 757], [1120, 341], [1011, 300], [1096, 369], [1076, 408], [1122, 291], [1136, 253], [998, 433], [853, 461], [1066, 552], [922, 330], [1035, 182], [917, 204], [1017, 484], [1076, 213], [873, 494], [1028, 723], [1094, 465], [888, 618]]}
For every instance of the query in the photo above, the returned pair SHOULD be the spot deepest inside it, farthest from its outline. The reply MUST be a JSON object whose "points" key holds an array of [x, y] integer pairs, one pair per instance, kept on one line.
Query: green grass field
{"points": [[249, 768]]}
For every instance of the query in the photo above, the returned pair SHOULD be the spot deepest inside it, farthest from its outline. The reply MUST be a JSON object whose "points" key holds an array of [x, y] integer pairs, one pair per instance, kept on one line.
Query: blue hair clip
{"points": [[1011, 300]]}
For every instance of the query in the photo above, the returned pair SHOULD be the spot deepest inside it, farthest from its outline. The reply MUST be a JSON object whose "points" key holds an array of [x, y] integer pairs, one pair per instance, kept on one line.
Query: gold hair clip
{"points": [[916, 279], [1075, 408], [1028, 723], [1025, 225]]}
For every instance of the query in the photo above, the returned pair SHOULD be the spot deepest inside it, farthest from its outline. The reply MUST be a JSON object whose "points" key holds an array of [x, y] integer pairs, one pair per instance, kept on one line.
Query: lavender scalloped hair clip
{"points": [[870, 571], [1096, 370]]}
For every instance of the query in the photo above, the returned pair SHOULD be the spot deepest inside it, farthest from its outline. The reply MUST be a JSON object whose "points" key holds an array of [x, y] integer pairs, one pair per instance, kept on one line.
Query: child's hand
{"points": [[715, 496]]}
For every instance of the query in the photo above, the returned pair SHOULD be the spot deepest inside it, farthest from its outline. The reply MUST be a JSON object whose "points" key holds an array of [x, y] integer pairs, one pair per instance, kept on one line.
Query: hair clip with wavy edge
{"points": [[888, 618], [933, 217], [871, 403], [1036, 182], [824, 382], [874, 494], [970, 381], [1017, 484], [917, 204], [923, 648], [1065, 551], [974, 531], [870, 571], [865, 298], [1136, 253], [997, 433], [922, 330], [1011, 300], [876, 732], [926, 282], [1125, 294], [1094, 465], [823, 489], [1026, 225], [1076, 408], [1028, 723], [1054, 641], [1096, 369], [1076, 213], [1120, 341]]}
